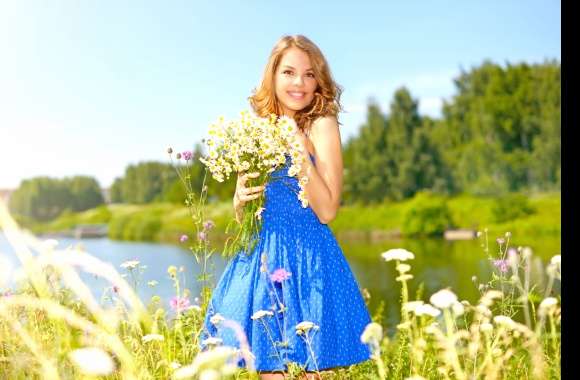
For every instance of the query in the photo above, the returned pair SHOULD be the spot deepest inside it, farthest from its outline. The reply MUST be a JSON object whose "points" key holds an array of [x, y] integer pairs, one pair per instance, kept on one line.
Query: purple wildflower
{"points": [[179, 303], [502, 265], [183, 238], [208, 225], [202, 236], [186, 155], [280, 275]]}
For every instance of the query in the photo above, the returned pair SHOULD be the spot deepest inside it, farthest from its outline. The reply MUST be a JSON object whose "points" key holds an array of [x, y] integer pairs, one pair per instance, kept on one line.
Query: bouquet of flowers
{"points": [[253, 144]]}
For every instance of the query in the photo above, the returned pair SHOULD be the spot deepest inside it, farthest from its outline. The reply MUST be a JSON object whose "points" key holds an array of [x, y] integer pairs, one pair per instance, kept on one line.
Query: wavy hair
{"points": [[326, 100]]}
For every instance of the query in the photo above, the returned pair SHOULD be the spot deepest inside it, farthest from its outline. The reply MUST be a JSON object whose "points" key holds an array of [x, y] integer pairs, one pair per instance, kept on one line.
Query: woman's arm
{"points": [[324, 186]]}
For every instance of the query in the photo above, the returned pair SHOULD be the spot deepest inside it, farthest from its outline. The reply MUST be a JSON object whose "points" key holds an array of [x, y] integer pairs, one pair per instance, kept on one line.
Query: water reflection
{"points": [[437, 264]]}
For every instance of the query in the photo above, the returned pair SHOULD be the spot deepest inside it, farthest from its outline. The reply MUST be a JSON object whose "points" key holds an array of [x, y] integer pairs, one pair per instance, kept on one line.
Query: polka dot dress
{"points": [[296, 273]]}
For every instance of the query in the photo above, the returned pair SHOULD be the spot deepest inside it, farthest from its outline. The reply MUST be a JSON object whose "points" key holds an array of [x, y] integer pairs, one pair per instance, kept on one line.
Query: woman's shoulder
{"points": [[324, 125]]}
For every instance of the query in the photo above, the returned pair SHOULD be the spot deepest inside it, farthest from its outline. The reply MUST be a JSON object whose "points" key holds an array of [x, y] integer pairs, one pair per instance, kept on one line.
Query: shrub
{"points": [[510, 207], [426, 215]]}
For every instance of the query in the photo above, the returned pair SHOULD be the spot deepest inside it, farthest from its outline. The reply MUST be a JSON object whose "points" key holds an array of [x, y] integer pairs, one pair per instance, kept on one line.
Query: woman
{"points": [[295, 296]]}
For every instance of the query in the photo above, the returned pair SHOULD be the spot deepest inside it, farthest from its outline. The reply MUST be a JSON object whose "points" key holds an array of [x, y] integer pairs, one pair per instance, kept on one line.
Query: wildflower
{"points": [[115, 289], [404, 325], [412, 306], [151, 337], [305, 326], [152, 283], [212, 341], [172, 270], [508, 235], [169, 150], [556, 260], [403, 268], [502, 265], [443, 299], [486, 327], [92, 361], [175, 365], [178, 156], [479, 233], [131, 264], [526, 252], [373, 333], [458, 309], [208, 225], [186, 155], [216, 319], [427, 309], [397, 254], [261, 314], [179, 303], [258, 213], [280, 275], [214, 358], [500, 240], [183, 238], [202, 236], [404, 277], [504, 321], [547, 304]]}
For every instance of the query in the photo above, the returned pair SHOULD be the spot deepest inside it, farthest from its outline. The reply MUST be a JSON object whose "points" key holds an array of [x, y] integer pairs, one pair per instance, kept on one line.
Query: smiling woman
{"points": [[295, 296]]}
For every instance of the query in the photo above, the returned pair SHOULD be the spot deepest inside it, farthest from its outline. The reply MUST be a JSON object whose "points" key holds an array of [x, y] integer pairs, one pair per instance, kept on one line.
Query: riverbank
{"points": [[164, 222]]}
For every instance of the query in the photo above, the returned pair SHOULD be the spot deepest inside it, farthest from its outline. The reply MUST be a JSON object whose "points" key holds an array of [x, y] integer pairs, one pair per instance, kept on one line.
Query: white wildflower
{"points": [[216, 319], [212, 341], [151, 337], [427, 309], [403, 268], [92, 361], [305, 326], [397, 254], [556, 260], [504, 321], [486, 327], [412, 305], [215, 358], [130, 264], [443, 299], [261, 314], [373, 333]]}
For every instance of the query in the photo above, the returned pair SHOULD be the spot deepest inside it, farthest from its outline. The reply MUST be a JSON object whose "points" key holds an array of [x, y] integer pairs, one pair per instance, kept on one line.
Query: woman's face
{"points": [[295, 81]]}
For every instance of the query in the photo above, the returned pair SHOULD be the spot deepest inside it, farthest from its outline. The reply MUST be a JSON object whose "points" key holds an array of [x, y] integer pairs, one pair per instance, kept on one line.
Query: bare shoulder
{"points": [[325, 127]]}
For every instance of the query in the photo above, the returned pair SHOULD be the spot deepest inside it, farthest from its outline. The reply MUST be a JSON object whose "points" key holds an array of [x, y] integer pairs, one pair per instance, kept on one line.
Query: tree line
{"points": [[499, 133]]}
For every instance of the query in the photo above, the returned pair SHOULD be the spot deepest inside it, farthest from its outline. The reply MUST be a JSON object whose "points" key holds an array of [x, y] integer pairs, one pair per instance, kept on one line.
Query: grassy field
{"points": [[52, 327]]}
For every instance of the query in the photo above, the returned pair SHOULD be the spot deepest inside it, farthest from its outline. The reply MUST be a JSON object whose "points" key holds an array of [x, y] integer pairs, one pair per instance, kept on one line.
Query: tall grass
{"points": [[52, 326]]}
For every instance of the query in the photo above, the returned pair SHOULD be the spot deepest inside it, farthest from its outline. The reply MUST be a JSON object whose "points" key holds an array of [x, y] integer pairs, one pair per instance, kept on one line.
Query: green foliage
{"points": [[427, 215], [500, 133], [510, 207], [42, 199]]}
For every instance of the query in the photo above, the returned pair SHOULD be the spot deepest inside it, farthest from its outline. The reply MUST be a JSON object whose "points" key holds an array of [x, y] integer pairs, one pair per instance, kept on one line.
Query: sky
{"points": [[88, 88]]}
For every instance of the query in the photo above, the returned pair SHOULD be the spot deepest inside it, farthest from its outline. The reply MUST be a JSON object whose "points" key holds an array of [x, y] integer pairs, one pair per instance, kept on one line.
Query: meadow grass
{"points": [[52, 326]]}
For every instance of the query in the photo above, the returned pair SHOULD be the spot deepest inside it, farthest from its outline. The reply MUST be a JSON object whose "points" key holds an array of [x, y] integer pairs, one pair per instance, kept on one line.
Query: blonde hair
{"points": [[326, 100]]}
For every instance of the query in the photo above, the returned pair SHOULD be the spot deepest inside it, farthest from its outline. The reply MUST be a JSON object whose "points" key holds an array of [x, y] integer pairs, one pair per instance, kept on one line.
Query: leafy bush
{"points": [[510, 207], [426, 215]]}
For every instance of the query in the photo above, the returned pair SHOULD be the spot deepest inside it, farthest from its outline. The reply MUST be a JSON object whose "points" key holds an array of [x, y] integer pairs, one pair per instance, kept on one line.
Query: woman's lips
{"points": [[296, 95]]}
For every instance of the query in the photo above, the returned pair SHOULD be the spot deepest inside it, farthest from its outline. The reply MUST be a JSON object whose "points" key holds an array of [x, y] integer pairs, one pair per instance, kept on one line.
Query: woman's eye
{"points": [[287, 72], [311, 75]]}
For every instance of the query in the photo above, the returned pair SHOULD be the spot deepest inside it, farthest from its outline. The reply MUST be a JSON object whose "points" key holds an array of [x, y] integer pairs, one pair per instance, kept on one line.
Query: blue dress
{"points": [[295, 273]]}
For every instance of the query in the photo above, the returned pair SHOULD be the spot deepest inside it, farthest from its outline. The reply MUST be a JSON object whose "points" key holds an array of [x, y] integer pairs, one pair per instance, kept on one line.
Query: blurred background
{"points": [[451, 126]]}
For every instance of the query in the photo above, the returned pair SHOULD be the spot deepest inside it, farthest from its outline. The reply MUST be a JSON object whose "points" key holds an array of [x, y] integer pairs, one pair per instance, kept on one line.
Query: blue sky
{"points": [[89, 87]]}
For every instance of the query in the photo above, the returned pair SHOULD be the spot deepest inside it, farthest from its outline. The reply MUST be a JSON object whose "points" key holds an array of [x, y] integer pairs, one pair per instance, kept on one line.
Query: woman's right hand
{"points": [[245, 194]]}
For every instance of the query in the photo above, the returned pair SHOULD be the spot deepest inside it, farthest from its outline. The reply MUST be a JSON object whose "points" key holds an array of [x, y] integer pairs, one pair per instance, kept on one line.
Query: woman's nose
{"points": [[298, 80]]}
